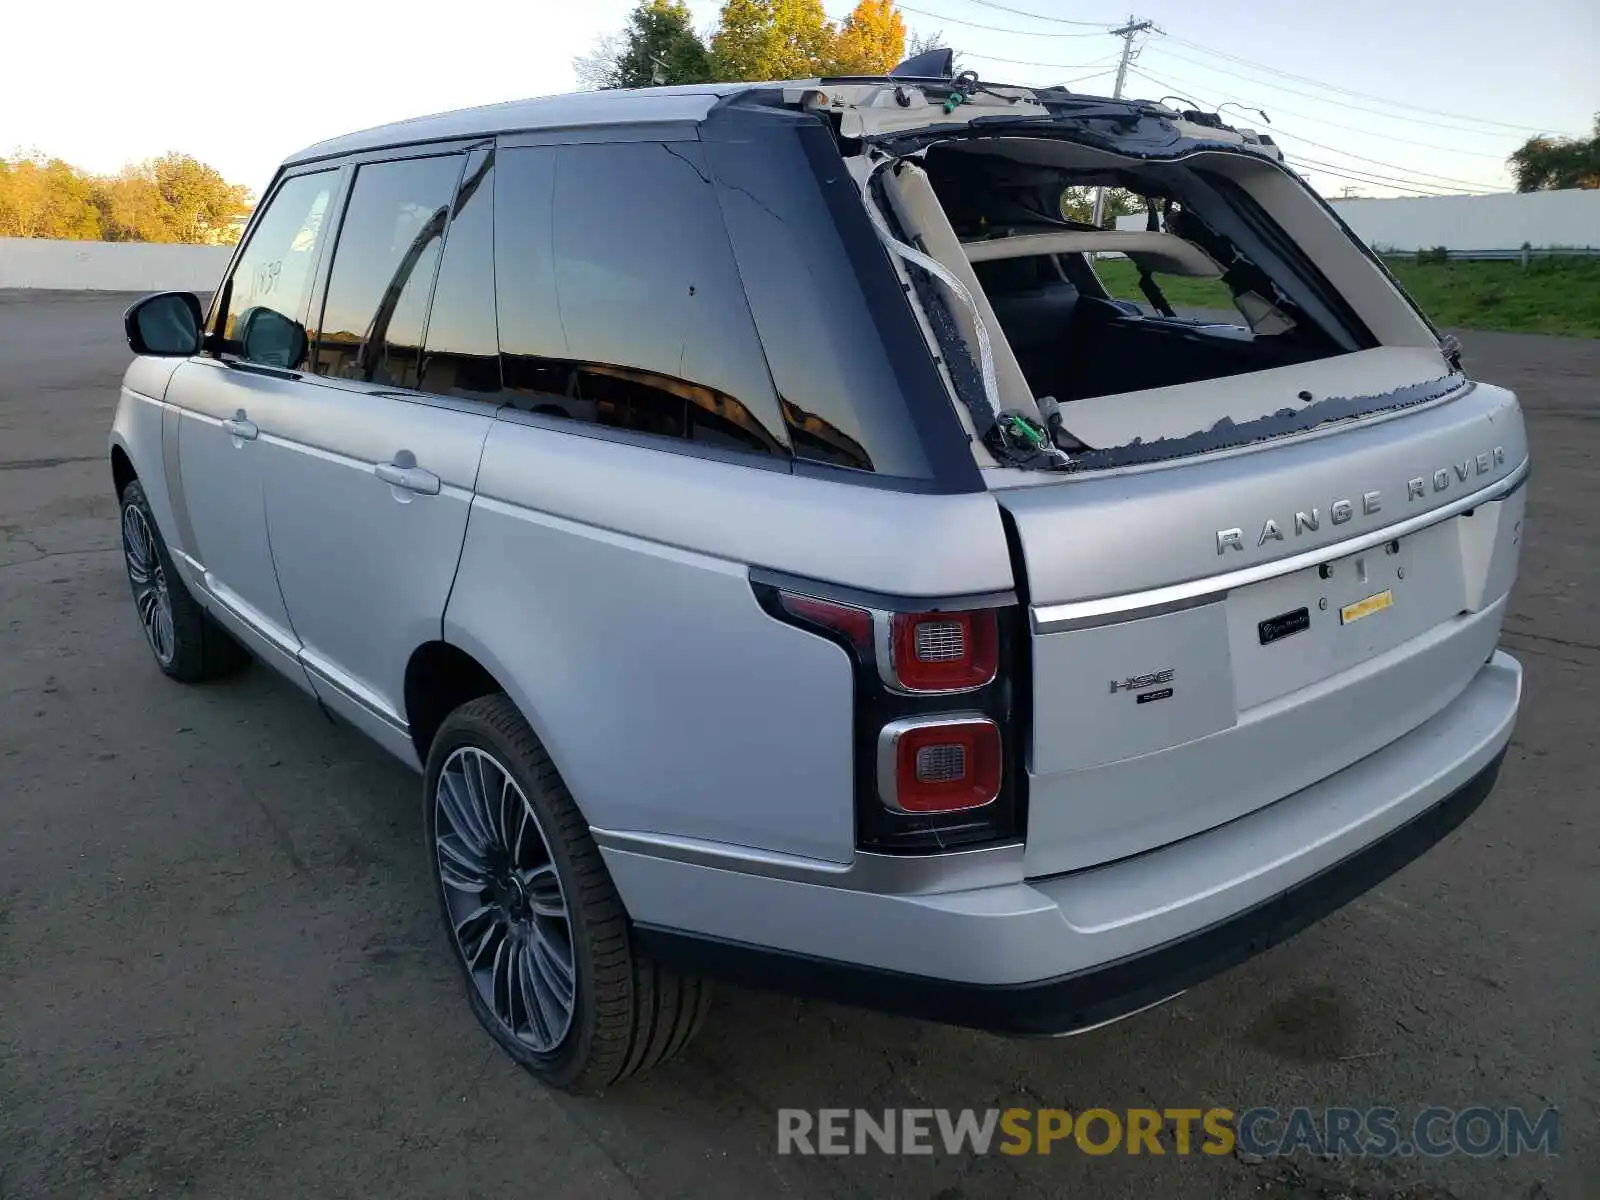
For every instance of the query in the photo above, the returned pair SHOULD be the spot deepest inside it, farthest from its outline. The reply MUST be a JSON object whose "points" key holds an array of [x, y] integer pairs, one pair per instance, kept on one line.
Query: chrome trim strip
{"points": [[353, 692], [886, 874], [889, 742], [1113, 1020], [1054, 618]]}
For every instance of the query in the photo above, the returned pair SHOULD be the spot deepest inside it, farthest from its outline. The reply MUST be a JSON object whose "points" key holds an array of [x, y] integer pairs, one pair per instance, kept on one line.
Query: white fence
{"points": [[110, 266], [1505, 221]]}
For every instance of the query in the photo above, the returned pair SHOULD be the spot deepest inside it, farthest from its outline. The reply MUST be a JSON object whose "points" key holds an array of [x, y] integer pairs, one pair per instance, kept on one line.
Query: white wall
{"points": [[1499, 222], [110, 266]]}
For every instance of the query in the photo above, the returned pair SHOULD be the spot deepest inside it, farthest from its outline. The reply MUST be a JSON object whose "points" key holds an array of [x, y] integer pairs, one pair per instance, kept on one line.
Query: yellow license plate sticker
{"points": [[1365, 608]]}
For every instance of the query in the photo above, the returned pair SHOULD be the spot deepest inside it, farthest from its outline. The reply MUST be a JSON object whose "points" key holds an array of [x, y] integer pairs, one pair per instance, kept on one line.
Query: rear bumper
{"points": [[1080, 1001], [1059, 955]]}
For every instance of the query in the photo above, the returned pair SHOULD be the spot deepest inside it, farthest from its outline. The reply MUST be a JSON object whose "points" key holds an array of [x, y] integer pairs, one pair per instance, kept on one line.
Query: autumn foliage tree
{"points": [[174, 198], [753, 40], [871, 41]]}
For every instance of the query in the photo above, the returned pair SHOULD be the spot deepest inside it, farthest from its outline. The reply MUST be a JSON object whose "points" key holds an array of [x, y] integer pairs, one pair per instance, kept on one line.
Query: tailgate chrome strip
{"points": [[1075, 614]]}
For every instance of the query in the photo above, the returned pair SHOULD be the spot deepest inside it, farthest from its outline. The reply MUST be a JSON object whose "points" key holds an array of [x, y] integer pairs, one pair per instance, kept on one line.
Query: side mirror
{"points": [[268, 337], [166, 324]]}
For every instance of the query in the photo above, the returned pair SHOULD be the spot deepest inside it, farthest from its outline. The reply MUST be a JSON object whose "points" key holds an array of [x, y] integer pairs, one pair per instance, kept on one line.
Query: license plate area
{"points": [[1296, 630]]}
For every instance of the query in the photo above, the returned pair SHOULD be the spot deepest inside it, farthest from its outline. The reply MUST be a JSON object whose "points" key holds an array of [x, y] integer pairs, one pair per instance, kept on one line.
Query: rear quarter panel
{"points": [[607, 587]]}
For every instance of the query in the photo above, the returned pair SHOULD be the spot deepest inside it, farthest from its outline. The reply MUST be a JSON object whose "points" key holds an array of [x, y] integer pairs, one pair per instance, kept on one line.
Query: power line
{"points": [[1388, 180], [1413, 188], [1333, 87], [922, 12], [1262, 83], [1382, 181], [1023, 62], [1298, 137], [1259, 66], [1022, 12], [1385, 135]]}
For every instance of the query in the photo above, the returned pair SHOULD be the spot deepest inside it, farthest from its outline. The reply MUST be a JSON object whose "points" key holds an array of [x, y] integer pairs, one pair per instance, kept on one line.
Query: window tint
{"points": [[461, 354], [619, 300], [383, 268], [858, 385], [271, 283]]}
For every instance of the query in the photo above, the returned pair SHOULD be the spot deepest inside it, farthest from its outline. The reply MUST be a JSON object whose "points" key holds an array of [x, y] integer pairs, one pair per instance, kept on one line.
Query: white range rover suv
{"points": [[786, 562]]}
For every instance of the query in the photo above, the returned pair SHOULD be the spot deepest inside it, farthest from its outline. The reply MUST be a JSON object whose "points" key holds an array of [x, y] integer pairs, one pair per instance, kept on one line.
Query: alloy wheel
{"points": [[149, 579], [507, 909]]}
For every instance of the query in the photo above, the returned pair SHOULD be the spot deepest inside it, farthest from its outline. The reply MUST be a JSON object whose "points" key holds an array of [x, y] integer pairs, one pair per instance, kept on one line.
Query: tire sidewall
{"points": [[567, 1061]]}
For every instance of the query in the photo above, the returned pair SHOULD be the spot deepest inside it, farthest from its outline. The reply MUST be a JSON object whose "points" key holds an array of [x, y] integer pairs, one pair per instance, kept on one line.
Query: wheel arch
{"points": [[442, 675], [122, 472], [439, 679]]}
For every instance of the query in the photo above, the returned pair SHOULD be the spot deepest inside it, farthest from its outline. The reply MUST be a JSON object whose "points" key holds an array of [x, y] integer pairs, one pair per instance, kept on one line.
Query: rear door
{"points": [[369, 466], [1213, 635]]}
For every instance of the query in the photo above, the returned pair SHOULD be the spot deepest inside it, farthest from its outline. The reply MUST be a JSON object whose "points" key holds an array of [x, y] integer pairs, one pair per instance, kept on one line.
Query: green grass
{"points": [[1122, 281], [1554, 295]]}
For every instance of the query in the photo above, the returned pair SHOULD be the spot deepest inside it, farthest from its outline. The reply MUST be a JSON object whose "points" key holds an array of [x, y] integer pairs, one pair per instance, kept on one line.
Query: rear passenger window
{"points": [[383, 269], [272, 281], [461, 356], [619, 300]]}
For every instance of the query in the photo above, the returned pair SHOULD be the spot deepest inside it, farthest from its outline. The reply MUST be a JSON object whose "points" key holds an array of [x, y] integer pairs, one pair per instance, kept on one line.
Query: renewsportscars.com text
{"points": [[1375, 1132]]}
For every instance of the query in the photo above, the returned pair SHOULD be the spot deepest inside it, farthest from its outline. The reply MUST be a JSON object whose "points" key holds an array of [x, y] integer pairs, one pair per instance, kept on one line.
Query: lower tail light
{"points": [[939, 764]]}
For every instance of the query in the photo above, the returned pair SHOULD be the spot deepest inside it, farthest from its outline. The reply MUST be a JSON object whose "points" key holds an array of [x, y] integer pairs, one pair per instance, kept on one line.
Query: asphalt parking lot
{"points": [[221, 972]]}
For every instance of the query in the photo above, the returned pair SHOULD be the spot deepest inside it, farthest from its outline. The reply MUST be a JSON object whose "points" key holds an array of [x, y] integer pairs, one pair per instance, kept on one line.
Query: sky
{"points": [[1435, 93]]}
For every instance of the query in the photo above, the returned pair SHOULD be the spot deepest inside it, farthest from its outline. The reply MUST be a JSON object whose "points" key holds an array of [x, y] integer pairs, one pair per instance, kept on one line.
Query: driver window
{"points": [[272, 280]]}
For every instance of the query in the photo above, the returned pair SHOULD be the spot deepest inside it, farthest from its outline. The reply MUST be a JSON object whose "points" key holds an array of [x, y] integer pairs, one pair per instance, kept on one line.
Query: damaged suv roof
{"points": [[878, 108]]}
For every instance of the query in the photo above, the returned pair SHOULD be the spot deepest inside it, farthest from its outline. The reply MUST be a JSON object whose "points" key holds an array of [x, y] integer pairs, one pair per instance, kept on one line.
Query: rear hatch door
{"points": [[1210, 635]]}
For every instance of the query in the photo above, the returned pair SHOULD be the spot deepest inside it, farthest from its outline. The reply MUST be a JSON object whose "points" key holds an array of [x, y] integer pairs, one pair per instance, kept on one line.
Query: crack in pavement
{"points": [[39, 464], [1545, 637]]}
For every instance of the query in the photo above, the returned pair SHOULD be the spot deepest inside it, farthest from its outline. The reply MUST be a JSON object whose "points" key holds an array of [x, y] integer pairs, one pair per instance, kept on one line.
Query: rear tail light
{"points": [[936, 697], [942, 651], [854, 624], [940, 764]]}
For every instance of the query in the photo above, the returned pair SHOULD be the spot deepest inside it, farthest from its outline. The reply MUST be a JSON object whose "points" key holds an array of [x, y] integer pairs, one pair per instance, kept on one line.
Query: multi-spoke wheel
{"points": [[504, 897], [536, 923], [187, 644], [149, 580]]}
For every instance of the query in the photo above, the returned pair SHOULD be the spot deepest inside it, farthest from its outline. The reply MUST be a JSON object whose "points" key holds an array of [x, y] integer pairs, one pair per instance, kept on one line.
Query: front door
{"points": [[218, 484], [368, 468]]}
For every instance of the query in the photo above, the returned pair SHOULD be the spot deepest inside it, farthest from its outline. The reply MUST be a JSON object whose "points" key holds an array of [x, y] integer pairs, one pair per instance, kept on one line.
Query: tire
{"points": [[624, 1014], [187, 644]]}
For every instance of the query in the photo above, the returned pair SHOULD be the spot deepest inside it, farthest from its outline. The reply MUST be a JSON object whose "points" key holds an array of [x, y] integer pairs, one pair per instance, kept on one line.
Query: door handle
{"points": [[242, 427], [408, 476]]}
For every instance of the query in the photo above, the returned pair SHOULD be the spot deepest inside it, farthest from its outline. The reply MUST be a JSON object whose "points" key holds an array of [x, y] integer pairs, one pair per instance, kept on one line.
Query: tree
{"points": [[1077, 204], [45, 197], [772, 39], [1544, 164], [598, 68], [175, 198], [659, 46], [661, 37], [872, 40]]}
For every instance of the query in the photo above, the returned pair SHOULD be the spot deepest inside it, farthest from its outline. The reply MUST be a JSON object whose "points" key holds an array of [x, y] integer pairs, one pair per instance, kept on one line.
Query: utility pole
{"points": [[1126, 34]]}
